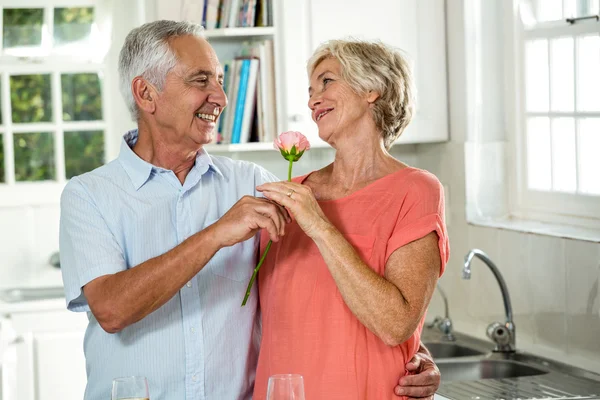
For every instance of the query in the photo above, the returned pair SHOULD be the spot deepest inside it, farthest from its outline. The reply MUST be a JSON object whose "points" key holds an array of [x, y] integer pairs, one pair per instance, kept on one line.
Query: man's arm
{"points": [[121, 299], [423, 379]]}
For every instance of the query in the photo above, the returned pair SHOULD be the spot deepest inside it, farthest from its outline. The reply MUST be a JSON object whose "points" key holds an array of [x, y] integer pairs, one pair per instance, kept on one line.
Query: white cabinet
{"points": [[44, 360], [415, 26]]}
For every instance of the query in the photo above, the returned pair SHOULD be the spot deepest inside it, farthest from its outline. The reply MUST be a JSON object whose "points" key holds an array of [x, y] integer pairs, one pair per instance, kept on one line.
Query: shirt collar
{"points": [[139, 171]]}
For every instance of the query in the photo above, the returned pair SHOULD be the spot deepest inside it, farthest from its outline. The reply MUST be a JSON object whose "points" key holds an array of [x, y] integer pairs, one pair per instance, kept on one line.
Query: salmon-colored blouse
{"points": [[307, 327]]}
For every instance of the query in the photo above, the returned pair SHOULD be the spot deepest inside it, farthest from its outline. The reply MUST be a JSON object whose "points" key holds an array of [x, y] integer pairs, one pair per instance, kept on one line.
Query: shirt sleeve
{"points": [[88, 249], [421, 212]]}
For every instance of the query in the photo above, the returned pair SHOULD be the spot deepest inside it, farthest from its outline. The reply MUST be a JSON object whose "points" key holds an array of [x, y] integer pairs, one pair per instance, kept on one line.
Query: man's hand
{"points": [[424, 378], [248, 216]]}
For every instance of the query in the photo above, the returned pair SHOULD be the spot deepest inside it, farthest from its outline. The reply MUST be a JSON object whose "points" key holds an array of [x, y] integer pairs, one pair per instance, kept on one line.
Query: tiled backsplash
{"points": [[554, 283]]}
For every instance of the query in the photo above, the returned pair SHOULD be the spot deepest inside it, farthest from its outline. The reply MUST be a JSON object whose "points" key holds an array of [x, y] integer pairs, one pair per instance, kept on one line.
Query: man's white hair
{"points": [[147, 53]]}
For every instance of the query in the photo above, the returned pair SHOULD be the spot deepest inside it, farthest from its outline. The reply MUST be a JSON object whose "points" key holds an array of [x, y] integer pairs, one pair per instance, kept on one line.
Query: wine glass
{"points": [[285, 387], [130, 388]]}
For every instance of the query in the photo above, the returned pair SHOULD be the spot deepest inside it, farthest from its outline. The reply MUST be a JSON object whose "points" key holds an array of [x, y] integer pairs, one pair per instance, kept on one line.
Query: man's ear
{"points": [[145, 94], [372, 96]]}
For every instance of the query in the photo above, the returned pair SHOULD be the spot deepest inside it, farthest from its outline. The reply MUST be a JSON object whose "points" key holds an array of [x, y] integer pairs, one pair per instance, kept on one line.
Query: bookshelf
{"points": [[243, 34], [240, 33], [255, 146]]}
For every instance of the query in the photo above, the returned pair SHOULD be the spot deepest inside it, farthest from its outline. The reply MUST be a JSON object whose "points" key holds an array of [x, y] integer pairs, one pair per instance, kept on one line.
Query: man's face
{"points": [[192, 98]]}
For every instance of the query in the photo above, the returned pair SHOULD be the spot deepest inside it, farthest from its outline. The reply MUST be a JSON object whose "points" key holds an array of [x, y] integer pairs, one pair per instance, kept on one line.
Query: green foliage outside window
{"points": [[81, 97], [34, 156], [31, 98], [1, 160], [22, 27], [84, 151], [72, 24]]}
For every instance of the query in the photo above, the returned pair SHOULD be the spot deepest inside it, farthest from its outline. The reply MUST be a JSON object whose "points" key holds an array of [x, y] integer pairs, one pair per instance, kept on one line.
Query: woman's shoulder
{"points": [[416, 179]]}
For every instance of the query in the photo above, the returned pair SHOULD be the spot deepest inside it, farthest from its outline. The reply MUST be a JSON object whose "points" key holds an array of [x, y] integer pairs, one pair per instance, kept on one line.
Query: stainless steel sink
{"points": [[14, 295], [450, 350], [485, 369]]}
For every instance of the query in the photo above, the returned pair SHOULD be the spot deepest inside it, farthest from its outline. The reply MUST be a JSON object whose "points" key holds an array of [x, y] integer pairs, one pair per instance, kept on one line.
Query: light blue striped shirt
{"points": [[201, 344]]}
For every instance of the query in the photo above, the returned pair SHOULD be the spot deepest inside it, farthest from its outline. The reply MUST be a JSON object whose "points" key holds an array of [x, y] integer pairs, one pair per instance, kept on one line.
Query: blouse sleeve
{"points": [[421, 212]]}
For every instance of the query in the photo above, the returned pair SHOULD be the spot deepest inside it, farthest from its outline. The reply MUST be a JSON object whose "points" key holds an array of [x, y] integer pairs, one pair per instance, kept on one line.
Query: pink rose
{"points": [[291, 145]]}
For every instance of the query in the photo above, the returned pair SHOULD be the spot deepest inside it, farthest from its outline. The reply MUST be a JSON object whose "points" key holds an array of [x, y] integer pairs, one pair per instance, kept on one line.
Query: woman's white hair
{"points": [[374, 66], [147, 53]]}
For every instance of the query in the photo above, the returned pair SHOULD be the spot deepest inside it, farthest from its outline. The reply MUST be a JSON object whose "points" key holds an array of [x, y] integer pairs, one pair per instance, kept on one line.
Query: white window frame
{"points": [[553, 207], [13, 193]]}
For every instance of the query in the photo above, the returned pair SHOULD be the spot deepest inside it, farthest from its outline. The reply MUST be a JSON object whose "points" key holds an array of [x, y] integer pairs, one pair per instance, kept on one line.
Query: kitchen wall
{"points": [[553, 282]]}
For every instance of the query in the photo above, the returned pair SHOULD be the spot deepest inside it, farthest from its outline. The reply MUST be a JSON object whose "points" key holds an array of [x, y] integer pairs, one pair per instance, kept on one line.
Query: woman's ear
{"points": [[144, 94], [372, 96]]}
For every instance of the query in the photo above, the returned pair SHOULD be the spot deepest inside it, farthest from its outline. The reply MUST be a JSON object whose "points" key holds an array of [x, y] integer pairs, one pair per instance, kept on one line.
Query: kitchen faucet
{"points": [[502, 334], [444, 324]]}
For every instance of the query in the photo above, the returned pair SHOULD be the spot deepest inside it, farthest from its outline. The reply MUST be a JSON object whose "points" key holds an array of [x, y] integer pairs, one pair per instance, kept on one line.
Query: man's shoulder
{"points": [[100, 178], [241, 168]]}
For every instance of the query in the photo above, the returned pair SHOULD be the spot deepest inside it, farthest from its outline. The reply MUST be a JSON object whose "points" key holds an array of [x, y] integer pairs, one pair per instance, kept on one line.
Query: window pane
{"points": [[1, 159], [30, 98], [562, 74], [538, 154], [72, 24], [84, 151], [81, 97], [22, 27], [588, 78], [589, 162], [536, 70], [580, 8], [564, 158], [34, 156], [548, 10]]}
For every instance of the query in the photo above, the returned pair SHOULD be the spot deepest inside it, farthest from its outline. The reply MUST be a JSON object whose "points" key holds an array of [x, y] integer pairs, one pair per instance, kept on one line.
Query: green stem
{"points": [[262, 259], [264, 255]]}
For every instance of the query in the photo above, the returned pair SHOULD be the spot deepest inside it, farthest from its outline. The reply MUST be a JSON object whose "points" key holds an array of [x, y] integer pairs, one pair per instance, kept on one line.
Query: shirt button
{"points": [[193, 330], [189, 284], [194, 378]]}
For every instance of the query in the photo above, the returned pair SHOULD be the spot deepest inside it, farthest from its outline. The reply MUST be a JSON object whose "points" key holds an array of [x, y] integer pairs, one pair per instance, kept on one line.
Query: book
{"points": [[240, 101], [249, 114]]}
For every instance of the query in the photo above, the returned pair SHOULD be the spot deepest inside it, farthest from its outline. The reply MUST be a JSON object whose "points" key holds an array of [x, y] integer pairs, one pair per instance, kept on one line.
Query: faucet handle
{"points": [[501, 336], [54, 260], [444, 325]]}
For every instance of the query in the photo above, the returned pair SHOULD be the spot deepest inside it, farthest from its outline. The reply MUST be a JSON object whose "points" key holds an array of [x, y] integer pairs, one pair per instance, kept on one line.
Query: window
{"points": [[52, 108], [559, 50]]}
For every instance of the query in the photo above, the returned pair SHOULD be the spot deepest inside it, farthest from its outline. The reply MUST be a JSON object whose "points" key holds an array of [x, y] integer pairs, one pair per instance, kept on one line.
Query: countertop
{"points": [[48, 277], [561, 381]]}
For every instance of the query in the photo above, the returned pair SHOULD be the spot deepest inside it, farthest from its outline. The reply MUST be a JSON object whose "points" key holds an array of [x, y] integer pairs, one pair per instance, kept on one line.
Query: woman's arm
{"points": [[390, 306]]}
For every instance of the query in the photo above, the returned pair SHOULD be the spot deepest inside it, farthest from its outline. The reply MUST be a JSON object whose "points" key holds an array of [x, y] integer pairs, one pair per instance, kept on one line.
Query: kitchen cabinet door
{"points": [[45, 360], [415, 26]]}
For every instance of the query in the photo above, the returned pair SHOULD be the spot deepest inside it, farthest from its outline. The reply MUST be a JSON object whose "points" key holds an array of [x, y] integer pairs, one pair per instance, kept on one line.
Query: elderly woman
{"points": [[344, 293]]}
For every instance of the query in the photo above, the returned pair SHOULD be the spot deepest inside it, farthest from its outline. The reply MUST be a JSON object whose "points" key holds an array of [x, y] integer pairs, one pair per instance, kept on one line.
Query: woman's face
{"points": [[334, 106]]}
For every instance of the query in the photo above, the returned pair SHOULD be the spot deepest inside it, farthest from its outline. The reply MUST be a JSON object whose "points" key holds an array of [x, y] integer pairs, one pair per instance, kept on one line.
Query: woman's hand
{"points": [[300, 202]]}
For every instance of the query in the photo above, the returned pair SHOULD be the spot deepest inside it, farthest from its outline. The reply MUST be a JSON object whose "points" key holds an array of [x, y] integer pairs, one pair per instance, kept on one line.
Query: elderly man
{"points": [[158, 245]]}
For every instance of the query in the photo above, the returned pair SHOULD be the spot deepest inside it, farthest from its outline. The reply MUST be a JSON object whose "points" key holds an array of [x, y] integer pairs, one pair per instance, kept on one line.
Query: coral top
{"points": [[307, 327]]}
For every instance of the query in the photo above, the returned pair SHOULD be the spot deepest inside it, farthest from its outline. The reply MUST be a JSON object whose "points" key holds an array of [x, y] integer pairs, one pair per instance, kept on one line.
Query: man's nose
{"points": [[218, 96]]}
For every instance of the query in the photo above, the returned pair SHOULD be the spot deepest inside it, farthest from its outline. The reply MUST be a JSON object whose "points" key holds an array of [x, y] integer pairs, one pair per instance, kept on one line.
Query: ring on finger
{"points": [[290, 193]]}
